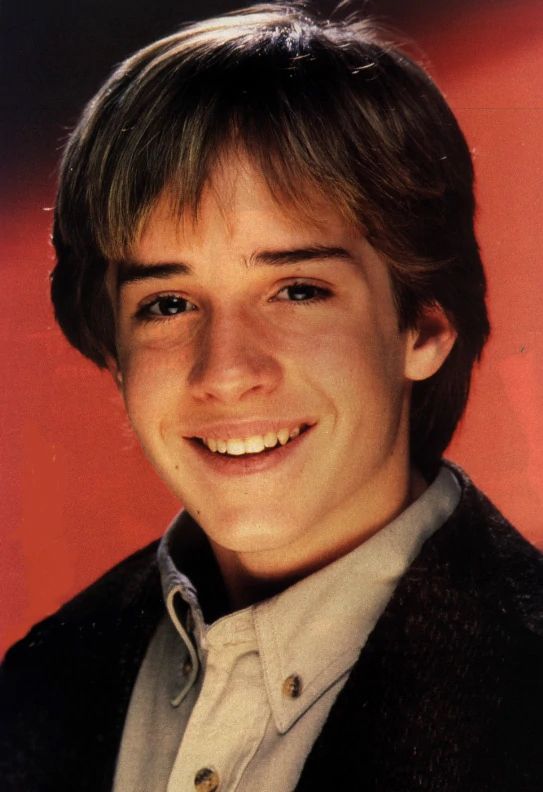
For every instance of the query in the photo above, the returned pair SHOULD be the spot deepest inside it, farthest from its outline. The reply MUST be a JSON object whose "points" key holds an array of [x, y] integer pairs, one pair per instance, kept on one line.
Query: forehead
{"points": [[238, 207]]}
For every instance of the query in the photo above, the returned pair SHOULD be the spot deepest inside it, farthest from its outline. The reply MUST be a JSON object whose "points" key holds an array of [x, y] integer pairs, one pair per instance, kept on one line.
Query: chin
{"points": [[251, 532]]}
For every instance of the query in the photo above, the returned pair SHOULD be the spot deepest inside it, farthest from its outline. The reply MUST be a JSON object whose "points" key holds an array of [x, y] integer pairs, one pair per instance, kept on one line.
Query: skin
{"points": [[234, 340]]}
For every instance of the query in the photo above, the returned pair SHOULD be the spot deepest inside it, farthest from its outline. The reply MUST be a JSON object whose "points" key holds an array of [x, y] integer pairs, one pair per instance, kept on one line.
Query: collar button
{"points": [[292, 686]]}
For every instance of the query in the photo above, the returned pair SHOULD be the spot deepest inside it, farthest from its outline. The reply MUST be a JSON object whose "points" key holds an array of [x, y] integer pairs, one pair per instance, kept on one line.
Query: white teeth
{"points": [[254, 444], [283, 435], [235, 447], [270, 439]]}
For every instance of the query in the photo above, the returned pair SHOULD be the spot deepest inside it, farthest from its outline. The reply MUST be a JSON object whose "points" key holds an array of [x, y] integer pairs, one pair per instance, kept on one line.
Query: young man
{"points": [[264, 229]]}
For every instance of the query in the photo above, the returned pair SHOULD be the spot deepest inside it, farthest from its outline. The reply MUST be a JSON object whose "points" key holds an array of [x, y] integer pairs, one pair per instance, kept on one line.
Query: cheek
{"points": [[151, 385], [348, 356]]}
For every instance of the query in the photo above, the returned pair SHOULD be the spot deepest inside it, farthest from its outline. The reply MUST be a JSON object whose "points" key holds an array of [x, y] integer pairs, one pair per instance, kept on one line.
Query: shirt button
{"points": [[187, 667], [292, 686], [206, 780]]}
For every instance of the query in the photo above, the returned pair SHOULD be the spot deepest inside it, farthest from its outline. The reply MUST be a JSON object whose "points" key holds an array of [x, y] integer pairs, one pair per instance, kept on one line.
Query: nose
{"points": [[231, 360]]}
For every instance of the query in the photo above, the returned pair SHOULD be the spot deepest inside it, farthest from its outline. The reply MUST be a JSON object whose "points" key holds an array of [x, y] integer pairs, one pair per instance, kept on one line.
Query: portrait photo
{"points": [[272, 334]]}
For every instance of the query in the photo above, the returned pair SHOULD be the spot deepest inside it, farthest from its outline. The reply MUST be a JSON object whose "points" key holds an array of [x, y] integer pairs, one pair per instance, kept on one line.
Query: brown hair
{"points": [[317, 106]]}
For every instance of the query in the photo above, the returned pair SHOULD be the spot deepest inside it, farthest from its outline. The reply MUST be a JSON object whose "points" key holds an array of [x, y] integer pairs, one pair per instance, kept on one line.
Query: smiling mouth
{"points": [[253, 445]]}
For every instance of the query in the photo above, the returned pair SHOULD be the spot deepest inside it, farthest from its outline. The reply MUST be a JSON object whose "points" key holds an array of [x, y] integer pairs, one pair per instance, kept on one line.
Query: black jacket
{"points": [[447, 693]]}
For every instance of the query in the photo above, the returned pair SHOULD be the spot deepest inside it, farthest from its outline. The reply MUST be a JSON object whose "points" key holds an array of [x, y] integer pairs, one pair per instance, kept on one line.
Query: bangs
{"points": [[286, 99], [185, 167]]}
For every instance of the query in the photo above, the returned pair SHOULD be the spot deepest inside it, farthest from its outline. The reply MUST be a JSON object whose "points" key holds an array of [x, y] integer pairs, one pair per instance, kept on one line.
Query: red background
{"points": [[78, 495]]}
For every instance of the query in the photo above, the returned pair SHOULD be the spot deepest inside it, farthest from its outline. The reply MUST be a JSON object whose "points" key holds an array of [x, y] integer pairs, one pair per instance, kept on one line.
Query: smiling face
{"points": [[264, 373]]}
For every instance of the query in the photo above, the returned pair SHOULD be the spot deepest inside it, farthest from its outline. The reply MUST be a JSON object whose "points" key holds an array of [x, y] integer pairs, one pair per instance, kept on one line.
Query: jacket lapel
{"points": [[425, 705]]}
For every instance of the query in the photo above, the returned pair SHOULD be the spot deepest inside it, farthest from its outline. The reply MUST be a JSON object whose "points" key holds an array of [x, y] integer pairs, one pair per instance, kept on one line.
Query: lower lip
{"points": [[246, 464]]}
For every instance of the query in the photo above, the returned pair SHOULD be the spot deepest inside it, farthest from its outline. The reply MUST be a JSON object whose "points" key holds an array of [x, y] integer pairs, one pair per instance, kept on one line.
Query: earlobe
{"points": [[429, 343], [115, 371]]}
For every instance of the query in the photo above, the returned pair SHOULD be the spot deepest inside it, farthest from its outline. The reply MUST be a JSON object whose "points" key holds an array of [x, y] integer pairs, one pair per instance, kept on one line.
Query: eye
{"points": [[164, 307], [303, 292]]}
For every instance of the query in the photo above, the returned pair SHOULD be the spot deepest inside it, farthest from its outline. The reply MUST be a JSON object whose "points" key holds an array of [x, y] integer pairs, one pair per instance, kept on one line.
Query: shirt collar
{"points": [[314, 630], [172, 578]]}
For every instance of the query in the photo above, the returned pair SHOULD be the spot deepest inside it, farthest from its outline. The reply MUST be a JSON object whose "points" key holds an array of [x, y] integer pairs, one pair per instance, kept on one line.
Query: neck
{"points": [[251, 577]]}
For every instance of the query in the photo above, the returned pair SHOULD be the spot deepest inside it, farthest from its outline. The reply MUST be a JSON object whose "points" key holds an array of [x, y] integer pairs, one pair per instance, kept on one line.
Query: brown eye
{"points": [[166, 306], [303, 292]]}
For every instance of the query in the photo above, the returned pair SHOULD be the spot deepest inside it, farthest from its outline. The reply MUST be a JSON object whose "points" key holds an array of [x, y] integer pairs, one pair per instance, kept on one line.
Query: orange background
{"points": [[78, 495]]}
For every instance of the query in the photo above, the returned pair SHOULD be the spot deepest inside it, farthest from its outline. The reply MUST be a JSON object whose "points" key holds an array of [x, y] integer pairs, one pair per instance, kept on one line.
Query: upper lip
{"points": [[239, 429]]}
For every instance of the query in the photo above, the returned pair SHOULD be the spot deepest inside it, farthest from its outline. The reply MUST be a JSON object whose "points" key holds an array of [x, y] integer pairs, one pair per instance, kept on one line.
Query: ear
{"points": [[429, 343], [115, 371]]}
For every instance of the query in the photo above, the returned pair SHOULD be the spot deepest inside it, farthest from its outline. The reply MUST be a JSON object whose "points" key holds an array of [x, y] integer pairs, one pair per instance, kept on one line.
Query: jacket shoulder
{"points": [[65, 687], [102, 602], [502, 562]]}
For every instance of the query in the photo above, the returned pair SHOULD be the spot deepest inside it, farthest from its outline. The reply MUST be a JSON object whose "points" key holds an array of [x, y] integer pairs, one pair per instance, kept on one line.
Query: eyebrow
{"points": [[133, 271], [279, 258], [129, 272]]}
